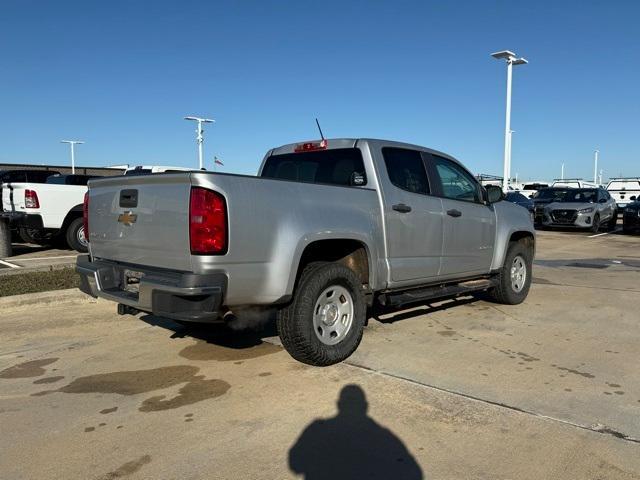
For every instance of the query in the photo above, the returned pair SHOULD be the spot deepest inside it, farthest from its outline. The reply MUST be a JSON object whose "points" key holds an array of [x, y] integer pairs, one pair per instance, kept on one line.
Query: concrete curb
{"points": [[70, 295]]}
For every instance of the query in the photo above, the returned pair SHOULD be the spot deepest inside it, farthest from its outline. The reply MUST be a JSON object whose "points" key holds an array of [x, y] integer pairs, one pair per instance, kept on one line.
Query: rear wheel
{"points": [[324, 323], [595, 226], [5, 239], [514, 278], [75, 236]]}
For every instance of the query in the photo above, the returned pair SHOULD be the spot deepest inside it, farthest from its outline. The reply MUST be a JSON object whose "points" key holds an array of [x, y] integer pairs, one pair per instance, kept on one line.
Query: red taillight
{"points": [[31, 199], [311, 146], [85, 215], [207, 222]]}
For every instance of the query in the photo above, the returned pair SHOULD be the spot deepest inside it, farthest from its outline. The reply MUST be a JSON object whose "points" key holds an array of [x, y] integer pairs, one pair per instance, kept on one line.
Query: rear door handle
{"points": [[402, 208], [454, 213]]}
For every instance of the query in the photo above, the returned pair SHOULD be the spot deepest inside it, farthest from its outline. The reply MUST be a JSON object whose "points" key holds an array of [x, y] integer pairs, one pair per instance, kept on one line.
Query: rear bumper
{"points": [[176, 295], [21, 219]]}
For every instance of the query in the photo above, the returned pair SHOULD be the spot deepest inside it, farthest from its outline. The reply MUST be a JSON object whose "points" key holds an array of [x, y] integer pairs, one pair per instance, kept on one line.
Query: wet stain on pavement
{"points": [[34, 368], [577, 372], [613, 385], [132, 382], [202, 350], [128, 468], [48, 380], [446, 333], [197, 390], [108, 410], [264, 374], [89, 429]]}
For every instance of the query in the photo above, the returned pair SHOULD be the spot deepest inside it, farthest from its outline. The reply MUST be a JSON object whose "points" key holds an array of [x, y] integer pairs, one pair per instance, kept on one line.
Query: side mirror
{"points": [[632, 198], [494, 194], [602, 200]]}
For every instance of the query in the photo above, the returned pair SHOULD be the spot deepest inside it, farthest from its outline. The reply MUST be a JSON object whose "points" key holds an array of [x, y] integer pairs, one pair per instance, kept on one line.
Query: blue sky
{"points": [[121, 75]]}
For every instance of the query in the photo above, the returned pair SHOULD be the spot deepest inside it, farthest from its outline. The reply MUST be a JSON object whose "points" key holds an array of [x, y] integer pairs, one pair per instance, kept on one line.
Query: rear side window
{"points": [[455, 181], [340, 166], [406, 169]]}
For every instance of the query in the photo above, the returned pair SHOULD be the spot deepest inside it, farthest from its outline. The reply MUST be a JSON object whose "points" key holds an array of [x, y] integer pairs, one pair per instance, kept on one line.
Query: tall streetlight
{"points": [[595, 166], [72, 143], [199, 136], [511, 60]]}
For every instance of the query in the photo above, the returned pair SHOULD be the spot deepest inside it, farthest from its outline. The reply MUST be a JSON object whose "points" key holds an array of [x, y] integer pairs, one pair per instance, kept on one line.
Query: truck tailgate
{"points": [[142, 220]]}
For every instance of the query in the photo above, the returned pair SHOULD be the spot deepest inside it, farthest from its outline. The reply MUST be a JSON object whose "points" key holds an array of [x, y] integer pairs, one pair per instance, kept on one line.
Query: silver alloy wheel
{"points": [[333, 315], [81, 237], [518, 274]]}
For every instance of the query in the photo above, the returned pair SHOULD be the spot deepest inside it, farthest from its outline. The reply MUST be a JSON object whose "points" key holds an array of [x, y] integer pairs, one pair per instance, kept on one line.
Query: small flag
{"points": [[217, 161]]}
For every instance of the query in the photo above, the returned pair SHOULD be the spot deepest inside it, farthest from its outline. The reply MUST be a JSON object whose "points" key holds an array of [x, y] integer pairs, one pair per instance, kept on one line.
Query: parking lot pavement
{"points": [[29, 257], [548, 389]]}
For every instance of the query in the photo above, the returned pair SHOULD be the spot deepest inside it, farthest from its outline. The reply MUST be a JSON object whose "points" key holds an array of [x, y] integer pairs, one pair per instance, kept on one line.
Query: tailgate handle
{"points": [[129, 198]]}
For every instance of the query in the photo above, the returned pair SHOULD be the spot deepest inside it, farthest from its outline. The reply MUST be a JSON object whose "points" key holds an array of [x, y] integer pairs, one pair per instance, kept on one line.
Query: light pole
{"points": [[72, 144], [562, 172], [511, 60], [595, 166], [199, 136]]}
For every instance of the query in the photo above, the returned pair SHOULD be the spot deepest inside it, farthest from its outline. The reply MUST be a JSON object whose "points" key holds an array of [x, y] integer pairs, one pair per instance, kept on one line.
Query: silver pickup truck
{"points": [[327, 230]]}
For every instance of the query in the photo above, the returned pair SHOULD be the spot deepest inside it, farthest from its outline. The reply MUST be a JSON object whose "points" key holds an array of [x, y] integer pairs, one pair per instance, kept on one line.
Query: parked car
{"points": [[71, 179], [587, 208], [519, 199], [631, 217], [326, 230], [528, 189], [624, 190], [573, 183], [50, 211], [147, 169]]}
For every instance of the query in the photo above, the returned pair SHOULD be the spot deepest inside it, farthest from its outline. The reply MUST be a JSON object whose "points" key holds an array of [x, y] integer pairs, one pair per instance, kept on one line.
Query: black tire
{"points": [[613, 222], [74, 235], [296, 321], [504, 292], [5, 239], [595, 227]]}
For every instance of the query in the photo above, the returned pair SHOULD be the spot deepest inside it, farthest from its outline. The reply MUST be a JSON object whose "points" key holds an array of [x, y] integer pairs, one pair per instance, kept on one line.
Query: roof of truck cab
{"points": [[353, 142]]}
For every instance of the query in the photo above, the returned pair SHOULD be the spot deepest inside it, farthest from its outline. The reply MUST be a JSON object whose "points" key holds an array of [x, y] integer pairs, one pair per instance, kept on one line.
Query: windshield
{"points": [[580, 195]]}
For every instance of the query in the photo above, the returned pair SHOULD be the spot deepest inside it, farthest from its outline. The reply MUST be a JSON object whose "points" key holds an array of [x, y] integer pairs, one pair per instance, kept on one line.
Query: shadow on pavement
{"points": [[351, 445], [401, 313], [250, 335]]}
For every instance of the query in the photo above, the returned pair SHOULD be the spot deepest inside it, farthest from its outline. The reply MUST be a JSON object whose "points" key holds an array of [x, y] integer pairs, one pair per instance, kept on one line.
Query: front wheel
{"points": [[595, 226], [324, 323], [76, 237], [514, 278]]}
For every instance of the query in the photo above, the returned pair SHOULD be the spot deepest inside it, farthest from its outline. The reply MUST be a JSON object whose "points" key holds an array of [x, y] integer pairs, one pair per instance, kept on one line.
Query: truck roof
{"points": [[353, 142]]}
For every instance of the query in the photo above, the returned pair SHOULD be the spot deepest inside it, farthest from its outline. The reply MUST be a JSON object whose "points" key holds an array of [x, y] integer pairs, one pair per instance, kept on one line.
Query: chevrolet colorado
{"points": [[326, 230]]}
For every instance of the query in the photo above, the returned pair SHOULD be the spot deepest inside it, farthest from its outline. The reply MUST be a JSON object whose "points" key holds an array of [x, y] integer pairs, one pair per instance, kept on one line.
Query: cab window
{"points": [[406, 169], [455, 182]]}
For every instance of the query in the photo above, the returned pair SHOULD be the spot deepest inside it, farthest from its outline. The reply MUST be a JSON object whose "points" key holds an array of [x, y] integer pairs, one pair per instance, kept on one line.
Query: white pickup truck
{"points": [[48, 211]]}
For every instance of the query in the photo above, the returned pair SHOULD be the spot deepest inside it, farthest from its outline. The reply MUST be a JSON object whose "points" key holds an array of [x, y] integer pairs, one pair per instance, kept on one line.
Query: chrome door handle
{"points": [[402, 208], [454, 213]]}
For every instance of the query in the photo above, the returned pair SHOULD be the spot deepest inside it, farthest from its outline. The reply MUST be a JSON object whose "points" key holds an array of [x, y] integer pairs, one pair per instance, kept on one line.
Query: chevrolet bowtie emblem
{"points": [[127, 218]]}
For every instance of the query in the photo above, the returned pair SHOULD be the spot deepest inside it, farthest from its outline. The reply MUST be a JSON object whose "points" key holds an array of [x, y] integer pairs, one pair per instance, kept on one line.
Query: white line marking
{"points": [[10, 265], [46, 258], [605, 233]]}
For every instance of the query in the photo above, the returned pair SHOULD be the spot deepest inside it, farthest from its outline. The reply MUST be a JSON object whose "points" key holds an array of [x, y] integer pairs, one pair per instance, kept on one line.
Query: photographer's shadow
{"points": [[351, 446]]}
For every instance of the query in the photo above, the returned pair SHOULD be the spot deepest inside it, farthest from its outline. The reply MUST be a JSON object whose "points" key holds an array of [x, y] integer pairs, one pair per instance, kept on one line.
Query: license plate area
{"points": [[131, 281]]}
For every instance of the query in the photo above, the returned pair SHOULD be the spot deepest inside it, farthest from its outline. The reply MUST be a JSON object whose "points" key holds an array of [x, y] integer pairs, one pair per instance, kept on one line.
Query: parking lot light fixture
{"points": [[200, 136], [511, 60], [595, 165], [72, 144]]}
